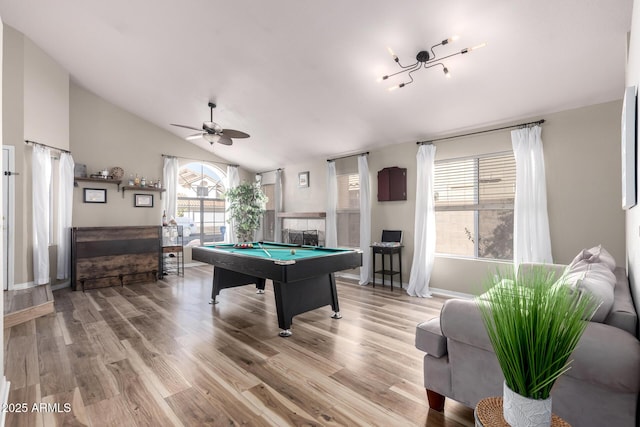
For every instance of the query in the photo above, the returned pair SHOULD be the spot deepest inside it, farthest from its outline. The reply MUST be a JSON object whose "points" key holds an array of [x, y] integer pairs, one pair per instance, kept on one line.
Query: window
{"points": [[348, 210], [474, 206], [201, 208]]}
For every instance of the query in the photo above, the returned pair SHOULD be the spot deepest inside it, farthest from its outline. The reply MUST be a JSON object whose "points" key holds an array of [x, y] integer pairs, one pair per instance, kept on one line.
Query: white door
{"points": [[8, 224]]}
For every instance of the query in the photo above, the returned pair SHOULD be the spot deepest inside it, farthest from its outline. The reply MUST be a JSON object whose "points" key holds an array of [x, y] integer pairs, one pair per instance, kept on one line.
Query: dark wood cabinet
{"points": [[108, 256], [392, 184]]}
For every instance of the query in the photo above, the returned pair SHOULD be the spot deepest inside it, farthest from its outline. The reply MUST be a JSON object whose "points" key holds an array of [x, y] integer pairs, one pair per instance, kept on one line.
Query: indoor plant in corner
{"points": [[246, 204], [534, 323]]}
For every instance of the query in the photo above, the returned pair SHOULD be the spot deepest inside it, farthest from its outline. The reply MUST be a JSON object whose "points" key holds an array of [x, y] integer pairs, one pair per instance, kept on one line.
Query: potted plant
{"points": [[534, 323], [246, 203]]}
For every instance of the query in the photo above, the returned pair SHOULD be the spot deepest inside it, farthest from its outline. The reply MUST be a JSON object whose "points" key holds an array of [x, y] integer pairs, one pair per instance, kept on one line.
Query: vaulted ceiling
{"points": [[300, 76]]}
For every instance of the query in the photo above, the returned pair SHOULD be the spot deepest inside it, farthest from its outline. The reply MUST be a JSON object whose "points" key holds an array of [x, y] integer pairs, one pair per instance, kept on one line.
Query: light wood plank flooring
{"points": [[158, 354]]}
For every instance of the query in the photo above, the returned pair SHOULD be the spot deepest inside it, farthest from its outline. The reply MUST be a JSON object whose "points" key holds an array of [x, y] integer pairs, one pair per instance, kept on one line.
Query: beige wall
{"points": [[582, 156], [35, 107], [633, 215], [40, 104], [104, 136]]}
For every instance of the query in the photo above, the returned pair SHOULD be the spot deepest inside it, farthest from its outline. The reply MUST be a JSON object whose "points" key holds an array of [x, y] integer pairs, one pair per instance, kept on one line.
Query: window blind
{"points": [[477, 183]]}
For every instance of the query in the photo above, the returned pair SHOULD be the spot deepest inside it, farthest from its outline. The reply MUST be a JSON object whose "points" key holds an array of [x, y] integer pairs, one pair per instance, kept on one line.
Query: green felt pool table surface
{"points": [[277, 251]]}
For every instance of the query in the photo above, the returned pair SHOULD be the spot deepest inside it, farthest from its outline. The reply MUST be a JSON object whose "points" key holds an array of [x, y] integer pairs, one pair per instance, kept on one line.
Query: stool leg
{"points": [[382, 256], [373, 254], [400, 268], [391, 269]]}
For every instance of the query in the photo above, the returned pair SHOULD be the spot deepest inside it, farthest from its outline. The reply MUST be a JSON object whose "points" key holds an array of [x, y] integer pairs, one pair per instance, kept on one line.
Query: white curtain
{"points": [[41, 181], [365, 220], [233, 180], [531, 237], [425, 224], [65, 209], [331, 232], [277, 229], [170, 178]]}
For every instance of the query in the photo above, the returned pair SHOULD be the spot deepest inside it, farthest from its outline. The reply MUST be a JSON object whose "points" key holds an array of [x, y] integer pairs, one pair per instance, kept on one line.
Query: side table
{"points": [[488, 413], [389, 250]]}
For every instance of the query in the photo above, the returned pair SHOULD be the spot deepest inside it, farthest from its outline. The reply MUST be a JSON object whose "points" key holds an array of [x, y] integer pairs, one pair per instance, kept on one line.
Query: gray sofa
{"points": [[602, 388]]}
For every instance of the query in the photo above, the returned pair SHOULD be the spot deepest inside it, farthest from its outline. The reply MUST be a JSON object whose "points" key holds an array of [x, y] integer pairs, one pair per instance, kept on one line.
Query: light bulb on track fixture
{"points": [[425, 59]]}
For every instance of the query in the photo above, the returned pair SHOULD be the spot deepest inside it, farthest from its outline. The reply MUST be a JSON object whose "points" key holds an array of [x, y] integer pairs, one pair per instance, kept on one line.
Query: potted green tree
{"points": [[534, 323], [246, 204]]}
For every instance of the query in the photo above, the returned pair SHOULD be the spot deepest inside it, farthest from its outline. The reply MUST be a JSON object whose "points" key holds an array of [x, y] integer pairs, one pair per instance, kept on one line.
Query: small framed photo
{"points": [[143, 200], [94, 195], [303, 179]]}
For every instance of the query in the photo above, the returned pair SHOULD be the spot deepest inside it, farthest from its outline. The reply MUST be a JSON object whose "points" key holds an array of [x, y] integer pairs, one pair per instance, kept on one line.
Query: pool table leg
{"points": [[285, 333]]}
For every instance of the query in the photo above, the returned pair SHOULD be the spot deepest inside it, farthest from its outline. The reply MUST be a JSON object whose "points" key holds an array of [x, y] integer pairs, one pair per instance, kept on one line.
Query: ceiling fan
{"points": [[213, 132]]}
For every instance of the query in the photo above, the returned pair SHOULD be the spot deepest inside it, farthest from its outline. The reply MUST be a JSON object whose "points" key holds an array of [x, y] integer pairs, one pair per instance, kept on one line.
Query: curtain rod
{"points": [[272, 170], [539, 122], [366, 153], [26, 141], [198, 160]]}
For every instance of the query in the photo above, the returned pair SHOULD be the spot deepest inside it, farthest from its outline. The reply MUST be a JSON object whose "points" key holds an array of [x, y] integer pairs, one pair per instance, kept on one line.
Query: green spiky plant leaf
{"points": [[534, 325], [246, 204]]}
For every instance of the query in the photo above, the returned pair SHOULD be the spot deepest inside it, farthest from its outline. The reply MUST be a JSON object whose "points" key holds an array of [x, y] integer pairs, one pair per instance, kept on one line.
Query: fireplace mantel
{"points": [[302, 214]]}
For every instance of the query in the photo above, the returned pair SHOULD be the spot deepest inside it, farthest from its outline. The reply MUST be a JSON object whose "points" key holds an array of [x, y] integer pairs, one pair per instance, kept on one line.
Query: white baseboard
{"points": [[19, 286], [61, 285], [4, 395], [438, 291]]}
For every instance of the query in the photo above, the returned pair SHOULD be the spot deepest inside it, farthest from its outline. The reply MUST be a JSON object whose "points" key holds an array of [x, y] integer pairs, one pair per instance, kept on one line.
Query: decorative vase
{"points": [[520, 411]]}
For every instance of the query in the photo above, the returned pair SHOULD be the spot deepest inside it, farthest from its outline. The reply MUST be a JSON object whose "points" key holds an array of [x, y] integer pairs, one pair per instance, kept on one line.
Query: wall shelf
{"points": [[77, 179], [142, 189]]}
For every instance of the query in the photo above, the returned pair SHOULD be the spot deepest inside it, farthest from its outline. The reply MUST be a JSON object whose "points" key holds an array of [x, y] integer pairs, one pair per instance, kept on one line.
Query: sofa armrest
{"points": [[461, 320], [429, 338]]}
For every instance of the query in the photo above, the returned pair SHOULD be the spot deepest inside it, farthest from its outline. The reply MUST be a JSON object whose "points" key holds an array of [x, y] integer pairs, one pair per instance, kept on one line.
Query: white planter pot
{"points": [[520, 411]]}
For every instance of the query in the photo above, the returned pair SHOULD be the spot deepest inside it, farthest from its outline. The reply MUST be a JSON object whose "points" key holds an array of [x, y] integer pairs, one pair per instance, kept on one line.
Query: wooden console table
{"points": [[108, 256], [488, 413]]}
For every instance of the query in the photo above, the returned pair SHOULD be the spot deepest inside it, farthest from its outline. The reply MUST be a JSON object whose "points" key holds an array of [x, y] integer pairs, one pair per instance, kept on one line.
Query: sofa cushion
{"points": [[594, 278], [429, 338]]}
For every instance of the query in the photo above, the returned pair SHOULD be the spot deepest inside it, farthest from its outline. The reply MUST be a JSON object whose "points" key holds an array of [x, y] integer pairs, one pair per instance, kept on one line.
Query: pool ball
{"points": [[293, 251]]}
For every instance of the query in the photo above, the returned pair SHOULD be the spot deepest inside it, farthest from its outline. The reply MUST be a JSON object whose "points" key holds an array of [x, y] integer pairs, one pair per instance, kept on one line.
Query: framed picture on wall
{"points": [[628, 149], [303, 179], [143, 200], [94, 195]]}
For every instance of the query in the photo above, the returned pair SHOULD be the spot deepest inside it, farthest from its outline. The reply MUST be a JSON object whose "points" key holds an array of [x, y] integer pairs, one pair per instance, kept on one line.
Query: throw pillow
{"points": [[596, 254], [595, 279]]}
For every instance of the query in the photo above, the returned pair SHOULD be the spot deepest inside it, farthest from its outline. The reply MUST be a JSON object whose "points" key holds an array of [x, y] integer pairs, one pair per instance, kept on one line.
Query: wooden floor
{"points": [[158, 354]]}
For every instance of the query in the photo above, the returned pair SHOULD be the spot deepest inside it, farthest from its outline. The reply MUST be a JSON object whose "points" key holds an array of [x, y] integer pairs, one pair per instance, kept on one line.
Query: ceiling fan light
{"points": [[211, 137]]}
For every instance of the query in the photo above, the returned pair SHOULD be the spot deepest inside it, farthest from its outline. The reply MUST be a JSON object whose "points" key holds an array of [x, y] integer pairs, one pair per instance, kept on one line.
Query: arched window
{"points": [[201, 209]]}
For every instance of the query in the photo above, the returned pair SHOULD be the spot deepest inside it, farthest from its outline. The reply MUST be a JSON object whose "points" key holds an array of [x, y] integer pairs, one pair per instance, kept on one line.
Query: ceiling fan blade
{"points": [[231, 133], [224, 140], [186, 127], [194, 136]]}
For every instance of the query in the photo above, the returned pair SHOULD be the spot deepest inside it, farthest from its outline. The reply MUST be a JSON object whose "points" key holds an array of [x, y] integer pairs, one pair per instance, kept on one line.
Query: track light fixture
{"points": [[426, 59]]}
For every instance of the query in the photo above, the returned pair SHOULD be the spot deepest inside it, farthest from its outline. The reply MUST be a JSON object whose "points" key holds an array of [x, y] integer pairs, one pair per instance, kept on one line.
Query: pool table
{"points": [[302, 275]]}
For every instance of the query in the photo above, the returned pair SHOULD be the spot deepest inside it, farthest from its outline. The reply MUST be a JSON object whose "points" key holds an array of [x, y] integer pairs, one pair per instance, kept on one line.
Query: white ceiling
{"points": [[300, 76]]}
